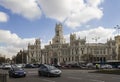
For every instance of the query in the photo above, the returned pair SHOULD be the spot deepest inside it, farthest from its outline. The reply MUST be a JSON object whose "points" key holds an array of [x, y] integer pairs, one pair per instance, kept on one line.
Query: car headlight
{"points": [[53, 71], [59, 71]]}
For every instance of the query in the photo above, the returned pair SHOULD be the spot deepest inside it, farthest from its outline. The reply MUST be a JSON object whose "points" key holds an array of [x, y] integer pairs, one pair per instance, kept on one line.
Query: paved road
{"points": [[67, 76]]}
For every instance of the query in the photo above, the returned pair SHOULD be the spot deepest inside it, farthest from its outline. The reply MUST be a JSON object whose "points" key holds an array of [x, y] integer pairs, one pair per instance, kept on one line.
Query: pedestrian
{"points": [[97, 66]]}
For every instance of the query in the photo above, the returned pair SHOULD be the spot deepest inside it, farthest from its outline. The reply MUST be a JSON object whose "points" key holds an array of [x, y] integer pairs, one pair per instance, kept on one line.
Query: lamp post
{"points": [[4, 59], [22, 57]]}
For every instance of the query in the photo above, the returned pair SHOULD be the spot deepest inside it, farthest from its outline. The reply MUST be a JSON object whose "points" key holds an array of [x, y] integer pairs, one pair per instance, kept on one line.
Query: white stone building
{"points": [[77, 51], [34, 52]]}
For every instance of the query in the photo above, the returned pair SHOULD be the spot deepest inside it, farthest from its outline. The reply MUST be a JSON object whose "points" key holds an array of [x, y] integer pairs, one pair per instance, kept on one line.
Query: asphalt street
{"points": [[67, 76]]}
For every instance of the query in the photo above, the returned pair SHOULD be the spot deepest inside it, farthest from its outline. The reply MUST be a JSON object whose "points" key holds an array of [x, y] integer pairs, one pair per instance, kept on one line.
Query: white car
{"points": [[19, 65], [106, 66], [1, 66], [118, 66], [6, 66]]}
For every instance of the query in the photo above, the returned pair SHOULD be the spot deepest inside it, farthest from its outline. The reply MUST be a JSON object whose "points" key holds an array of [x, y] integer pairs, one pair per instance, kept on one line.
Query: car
{"points": [[106, 66], [118, 66], [19, 65], [89, 65], [75, 65], [57, 65], [29, 66], [1, 66], [6, 66], [36, 65], [49, 70], [17, 72]]}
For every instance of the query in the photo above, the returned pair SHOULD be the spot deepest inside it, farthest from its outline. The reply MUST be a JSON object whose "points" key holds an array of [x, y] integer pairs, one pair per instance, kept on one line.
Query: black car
{"points": [[29, 66], [48, 70], [17, 72], [57, 66]]}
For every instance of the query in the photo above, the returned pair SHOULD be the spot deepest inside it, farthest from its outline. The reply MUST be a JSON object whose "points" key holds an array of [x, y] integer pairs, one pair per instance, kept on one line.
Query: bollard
{"points": [[3, 77]]}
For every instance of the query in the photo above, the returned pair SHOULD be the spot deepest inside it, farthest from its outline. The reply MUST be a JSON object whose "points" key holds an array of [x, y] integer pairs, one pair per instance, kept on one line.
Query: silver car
{"points": [[48, 70], [106, 66]]}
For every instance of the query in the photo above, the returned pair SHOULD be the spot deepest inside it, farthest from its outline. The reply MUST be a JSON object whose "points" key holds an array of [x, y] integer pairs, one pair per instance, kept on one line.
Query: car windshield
{"points": [[17, 69], [52, 68]]}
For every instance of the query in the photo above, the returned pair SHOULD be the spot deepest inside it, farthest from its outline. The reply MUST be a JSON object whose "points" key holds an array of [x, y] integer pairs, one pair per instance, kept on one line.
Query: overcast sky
{"points": [[21, 21]]}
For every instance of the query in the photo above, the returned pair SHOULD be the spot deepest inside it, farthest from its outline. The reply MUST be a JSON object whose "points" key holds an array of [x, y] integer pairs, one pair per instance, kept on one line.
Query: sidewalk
{"points": [[3, 71]]}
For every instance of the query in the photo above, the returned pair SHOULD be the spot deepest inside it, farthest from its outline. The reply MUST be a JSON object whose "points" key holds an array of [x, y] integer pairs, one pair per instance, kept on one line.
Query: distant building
{"points": [[77, 51]]}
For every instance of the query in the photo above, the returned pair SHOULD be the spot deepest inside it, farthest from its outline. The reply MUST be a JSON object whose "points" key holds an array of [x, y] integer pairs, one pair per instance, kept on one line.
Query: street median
{"points": [[108, 71]]}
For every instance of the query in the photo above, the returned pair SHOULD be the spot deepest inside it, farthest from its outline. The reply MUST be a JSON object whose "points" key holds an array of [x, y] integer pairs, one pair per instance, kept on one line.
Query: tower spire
{"points": [[59, 38]]}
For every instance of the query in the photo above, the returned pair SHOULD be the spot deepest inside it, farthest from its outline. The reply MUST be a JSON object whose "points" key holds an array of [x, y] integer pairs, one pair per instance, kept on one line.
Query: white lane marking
{"points": [[33, 72], [48, 80], [97, 76], [74, 78], [94, 80]]}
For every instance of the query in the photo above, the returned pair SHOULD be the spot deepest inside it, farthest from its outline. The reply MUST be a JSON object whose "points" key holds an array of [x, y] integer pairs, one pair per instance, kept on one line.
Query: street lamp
{"points": [[22, 57]]}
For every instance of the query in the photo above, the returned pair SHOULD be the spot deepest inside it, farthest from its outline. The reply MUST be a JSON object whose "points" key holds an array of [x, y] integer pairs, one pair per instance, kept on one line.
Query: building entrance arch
{"points": [[54, 59]]}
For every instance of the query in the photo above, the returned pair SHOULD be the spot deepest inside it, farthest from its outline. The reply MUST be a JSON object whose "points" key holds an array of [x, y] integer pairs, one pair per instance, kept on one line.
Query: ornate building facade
{"points": [[76, 51], [34, 52]]}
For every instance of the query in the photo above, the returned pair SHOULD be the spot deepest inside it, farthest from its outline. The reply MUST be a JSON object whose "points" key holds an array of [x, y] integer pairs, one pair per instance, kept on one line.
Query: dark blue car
{"points": [[17, 72]]}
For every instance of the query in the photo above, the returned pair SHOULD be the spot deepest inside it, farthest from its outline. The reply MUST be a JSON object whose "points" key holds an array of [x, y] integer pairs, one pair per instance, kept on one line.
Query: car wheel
{"points": [[48, 74], [59, 75], [39, 73], [10, 75], [24, 76]]}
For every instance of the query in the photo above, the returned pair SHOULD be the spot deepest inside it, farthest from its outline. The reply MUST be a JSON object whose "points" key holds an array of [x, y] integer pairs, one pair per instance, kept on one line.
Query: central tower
{"points": [[58, 38]]}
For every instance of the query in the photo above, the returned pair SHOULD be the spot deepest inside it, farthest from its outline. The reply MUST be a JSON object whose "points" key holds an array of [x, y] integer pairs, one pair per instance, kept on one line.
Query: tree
{"points": [[2, 59], [21, 57]]}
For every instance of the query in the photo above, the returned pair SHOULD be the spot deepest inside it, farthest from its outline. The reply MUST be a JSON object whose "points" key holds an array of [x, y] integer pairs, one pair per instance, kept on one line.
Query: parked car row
{"points": [[8, 66], [17, 70], [90, 66], [80, 66], [32, 65], [106, 66], [70, 65]]}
